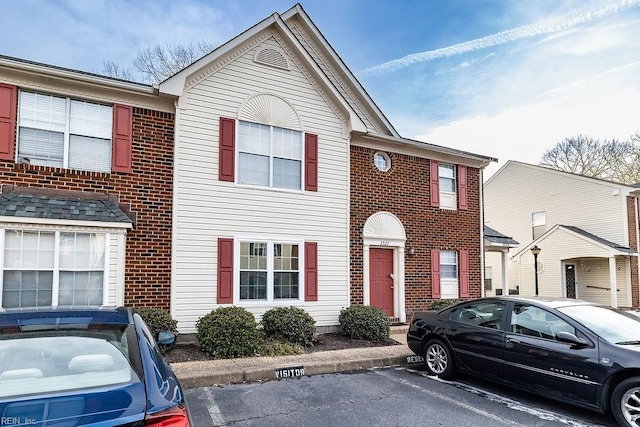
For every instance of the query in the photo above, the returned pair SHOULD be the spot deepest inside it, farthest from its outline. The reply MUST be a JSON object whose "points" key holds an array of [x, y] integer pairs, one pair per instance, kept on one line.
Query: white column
{"points": [[365, 275], [399, 282], [612, 282], [505, 275]]}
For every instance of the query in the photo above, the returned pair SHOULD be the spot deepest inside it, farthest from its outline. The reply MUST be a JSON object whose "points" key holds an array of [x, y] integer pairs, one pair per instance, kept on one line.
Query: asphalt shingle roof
{"points": [[60, 207], [496, 237]]}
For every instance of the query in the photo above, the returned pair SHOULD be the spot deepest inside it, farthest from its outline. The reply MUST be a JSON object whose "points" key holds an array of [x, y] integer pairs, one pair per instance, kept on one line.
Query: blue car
{"points": [[96, 366]]}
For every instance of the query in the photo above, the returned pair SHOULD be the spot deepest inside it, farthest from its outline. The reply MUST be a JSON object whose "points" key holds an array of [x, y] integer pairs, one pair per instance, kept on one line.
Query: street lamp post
{"points": [[535, 251]]}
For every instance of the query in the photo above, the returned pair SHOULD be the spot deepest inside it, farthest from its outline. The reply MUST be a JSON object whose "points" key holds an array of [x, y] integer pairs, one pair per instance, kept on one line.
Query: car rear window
{"points": [[44, 361]]}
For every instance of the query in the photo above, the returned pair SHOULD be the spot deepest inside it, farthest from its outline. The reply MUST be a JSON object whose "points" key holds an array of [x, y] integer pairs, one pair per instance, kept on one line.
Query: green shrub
{"points": [[270, 347], [289, 324], [443, 303], [158, 320], [364, 322], [228, 332]]}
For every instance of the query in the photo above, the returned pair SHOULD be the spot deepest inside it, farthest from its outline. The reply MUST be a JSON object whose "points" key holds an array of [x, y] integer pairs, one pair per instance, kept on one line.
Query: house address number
{"points": [[384, 243], [415, 359]]}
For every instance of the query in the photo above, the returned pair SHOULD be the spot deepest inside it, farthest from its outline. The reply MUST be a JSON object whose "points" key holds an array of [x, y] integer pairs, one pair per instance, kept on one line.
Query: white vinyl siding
{"points": [[63, 132], [598, 207], [207, 209]]}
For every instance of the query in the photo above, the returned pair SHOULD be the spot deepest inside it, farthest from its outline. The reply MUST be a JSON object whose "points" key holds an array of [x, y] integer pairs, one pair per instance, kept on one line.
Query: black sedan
{"points": [[97, 366], [573, 351]]}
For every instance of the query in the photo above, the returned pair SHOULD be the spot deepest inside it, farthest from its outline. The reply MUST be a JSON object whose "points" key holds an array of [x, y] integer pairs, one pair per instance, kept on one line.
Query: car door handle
{"points": [[512, 341]]}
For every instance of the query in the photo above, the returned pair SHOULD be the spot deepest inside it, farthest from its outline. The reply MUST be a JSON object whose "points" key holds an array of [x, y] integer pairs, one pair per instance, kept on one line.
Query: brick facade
{"points": [[632, 220], [148, 190], [404, 192]]}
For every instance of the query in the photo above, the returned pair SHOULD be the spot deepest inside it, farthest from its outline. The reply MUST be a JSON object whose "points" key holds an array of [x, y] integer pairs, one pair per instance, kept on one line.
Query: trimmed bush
{"points": [[443, 303], [289, 324], [158, 320], [365, 322], [228, 332]]}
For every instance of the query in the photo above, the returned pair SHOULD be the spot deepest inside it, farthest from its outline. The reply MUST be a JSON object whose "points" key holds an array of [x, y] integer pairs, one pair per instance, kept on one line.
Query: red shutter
{"points": [[464, 274], [227, 149], [8, 97], [435, 274], [434, 179], [311, 162], [463, 204], [311, 271], [122, 137], [225, 271]]}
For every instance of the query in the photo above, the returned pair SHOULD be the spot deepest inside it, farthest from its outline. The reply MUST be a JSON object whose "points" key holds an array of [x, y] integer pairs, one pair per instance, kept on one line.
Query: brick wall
{"points": [[632, 220], [404, 191], [147, 190]]}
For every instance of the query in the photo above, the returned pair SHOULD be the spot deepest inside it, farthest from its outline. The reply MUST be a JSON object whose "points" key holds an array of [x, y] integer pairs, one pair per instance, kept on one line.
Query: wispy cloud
{"points": [[555, 25]]}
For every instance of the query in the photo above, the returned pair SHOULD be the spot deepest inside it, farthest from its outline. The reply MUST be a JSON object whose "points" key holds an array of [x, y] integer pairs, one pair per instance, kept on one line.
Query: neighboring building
{"points": [[261, 175], [292, 188], [586, 230], [86, 173]]}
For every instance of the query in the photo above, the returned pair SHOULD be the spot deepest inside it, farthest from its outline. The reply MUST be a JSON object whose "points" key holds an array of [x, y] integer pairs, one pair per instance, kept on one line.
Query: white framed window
{"points": [[449, 265], [64, 132], [447, 186], [41, 268], [488, 273], [269, 270], [449, 274], [538, 224], [382, 161], [269, 156]]}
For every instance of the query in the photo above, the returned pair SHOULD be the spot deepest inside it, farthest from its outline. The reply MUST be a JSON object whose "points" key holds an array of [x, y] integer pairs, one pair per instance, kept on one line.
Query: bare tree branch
{"points": [[159, 63], [608, 159], [112, 69]]}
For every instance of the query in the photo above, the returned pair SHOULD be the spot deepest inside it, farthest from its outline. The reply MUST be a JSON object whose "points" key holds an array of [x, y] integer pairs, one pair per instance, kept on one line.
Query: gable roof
{"points": [[612, 247], [175, 84], [635, 189], [365, 116], [355, 91]]}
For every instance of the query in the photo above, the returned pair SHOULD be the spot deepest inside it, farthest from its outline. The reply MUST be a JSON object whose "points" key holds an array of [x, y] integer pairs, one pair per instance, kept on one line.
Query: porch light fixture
{"points": [[535, 251], [412, 251]]}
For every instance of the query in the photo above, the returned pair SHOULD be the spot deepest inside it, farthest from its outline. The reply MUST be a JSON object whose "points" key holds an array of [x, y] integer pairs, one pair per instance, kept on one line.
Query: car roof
{"points": [[80, 314], [550, 302]]}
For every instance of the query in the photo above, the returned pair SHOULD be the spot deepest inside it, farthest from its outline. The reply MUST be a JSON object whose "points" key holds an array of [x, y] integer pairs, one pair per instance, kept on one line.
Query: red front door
{"points": [[380, 281]]}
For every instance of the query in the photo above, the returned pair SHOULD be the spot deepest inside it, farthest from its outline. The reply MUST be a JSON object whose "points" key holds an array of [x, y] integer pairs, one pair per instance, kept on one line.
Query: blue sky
{"points": [[502, 78]]}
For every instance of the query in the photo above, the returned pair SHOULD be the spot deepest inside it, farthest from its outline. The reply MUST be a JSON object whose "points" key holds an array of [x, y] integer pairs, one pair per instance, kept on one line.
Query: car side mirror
{"points": [[166, 338], [568, 337]]}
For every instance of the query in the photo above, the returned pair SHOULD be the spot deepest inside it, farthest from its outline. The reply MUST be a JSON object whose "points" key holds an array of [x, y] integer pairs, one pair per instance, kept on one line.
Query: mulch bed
{"points": [[189, 352]]}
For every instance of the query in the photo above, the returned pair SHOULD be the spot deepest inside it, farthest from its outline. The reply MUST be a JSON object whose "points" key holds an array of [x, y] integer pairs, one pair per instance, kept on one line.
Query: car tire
{"points": [[625, 402], [438, 359]]}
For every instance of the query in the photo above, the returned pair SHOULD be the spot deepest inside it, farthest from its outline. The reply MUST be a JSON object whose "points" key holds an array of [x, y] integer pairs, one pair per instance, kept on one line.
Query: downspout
{"points": [[481, 184], [635, 217]]}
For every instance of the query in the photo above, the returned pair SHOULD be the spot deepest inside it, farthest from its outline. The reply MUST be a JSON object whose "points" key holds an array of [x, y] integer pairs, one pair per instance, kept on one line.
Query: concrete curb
{"points": [[191, 378], [256, 369]]}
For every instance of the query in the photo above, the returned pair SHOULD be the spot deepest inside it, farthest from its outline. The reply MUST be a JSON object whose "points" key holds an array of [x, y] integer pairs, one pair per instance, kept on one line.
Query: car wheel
{"points": [[438, 359], [625, 402]]}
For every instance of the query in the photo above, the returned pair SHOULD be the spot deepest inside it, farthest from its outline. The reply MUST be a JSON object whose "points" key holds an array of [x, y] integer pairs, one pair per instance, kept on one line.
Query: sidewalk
{"points": [[253, 369]]}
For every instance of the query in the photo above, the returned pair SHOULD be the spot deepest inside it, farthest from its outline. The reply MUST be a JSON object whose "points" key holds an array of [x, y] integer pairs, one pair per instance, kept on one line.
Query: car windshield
{"points": [[41, 360], [608, 323]]}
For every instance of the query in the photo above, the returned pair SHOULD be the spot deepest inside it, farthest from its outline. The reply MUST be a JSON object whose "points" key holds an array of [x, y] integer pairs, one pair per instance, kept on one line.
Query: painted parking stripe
{"points": [[510, 403]]}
